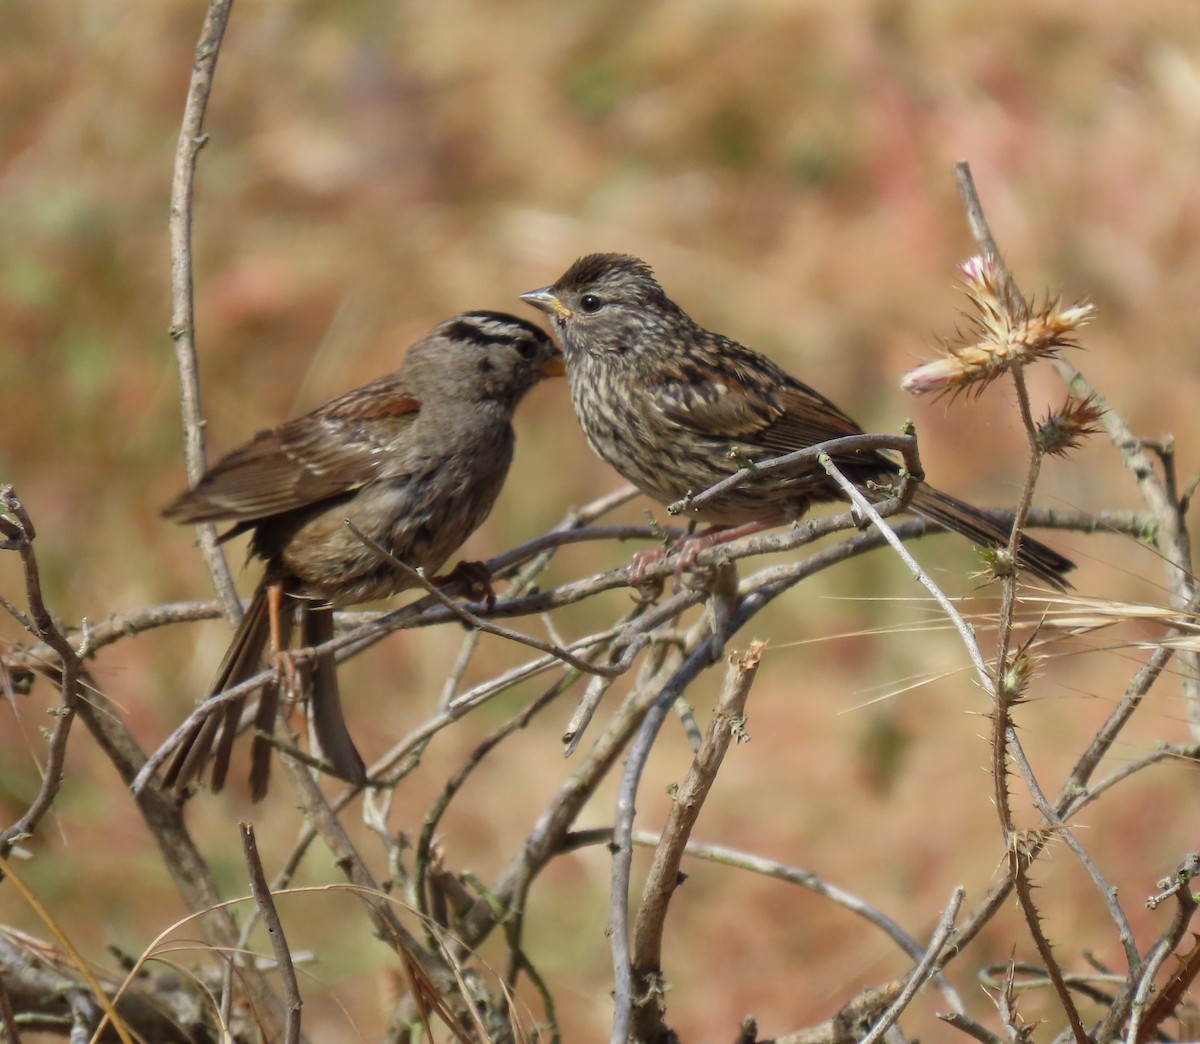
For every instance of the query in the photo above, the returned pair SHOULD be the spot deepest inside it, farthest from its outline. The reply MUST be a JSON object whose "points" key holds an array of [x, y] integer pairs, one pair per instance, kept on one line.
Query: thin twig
{"points": [[431, 980], [188, 870], [40, 657], [1168, 999], [1163, 1006], [965, 631], [283, 956], [970, 1027], [478, 622], [1107, 891], [462, 661], [925, 967], [422, 853], [663, 878], [597, 687], [724, 856], [547, 838], [183, 317], [19, 536], [701, 654], [906, 445]]}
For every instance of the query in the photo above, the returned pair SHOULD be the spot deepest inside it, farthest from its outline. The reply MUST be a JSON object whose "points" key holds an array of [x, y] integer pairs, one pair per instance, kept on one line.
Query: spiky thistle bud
{"points": [[1066, 429]]}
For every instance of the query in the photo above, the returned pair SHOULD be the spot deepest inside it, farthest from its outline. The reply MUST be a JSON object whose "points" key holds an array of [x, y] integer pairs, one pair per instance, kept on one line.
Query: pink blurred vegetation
{"points": [[788, 170]]}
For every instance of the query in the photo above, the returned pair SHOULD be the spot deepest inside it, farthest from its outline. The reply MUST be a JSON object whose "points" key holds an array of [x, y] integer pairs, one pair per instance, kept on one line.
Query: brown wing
{"points": [[324, 454], [806, 418], [756, 405]]}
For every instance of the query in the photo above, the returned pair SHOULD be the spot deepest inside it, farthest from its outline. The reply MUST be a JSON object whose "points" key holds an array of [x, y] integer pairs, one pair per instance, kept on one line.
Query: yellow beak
{"points": [[546, 300]]}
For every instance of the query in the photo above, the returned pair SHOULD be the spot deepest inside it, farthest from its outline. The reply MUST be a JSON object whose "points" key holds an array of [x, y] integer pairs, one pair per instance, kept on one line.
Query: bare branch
{"points": [[921, 973], [664, 875], [283, 956], [183, 319], [19, 535]]}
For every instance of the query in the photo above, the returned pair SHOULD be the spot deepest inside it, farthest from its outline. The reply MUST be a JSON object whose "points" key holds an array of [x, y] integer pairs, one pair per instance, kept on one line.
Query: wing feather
{"points": [[757, 406], [326, 454]]}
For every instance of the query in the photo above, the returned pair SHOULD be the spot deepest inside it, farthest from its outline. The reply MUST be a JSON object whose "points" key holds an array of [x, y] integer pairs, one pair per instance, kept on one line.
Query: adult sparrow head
{"points": [[414, 460], [665, 401]]}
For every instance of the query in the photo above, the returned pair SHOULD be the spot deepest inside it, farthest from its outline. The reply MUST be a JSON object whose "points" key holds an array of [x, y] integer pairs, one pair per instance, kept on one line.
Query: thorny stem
{"points": [[1004, 694]]}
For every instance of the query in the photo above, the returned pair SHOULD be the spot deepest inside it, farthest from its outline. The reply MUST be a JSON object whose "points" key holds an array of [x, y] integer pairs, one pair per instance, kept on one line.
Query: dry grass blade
{"points": [[106, 1004]]}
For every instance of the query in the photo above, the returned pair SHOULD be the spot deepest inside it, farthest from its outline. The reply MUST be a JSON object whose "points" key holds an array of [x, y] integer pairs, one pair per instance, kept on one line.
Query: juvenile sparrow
{"points": [[664, 401], [414, 460]]}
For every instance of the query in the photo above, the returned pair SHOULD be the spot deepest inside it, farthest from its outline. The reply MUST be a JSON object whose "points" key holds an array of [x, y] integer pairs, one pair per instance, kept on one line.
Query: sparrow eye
{"points": [[590, 303], [525, 349]]}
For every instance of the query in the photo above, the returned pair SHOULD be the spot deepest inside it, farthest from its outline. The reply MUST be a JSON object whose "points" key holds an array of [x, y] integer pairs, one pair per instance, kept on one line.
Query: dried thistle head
{"points": [[1001, 333], [1066, 429]]}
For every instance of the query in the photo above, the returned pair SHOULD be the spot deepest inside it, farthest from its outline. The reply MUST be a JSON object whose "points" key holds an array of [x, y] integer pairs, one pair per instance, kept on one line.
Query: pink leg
{"points": [[690, 547], [638, 566], [280, 658]]}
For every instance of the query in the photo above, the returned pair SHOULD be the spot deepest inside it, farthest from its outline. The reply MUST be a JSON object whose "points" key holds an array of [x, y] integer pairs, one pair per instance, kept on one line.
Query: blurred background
{"points": [[787, 168]]}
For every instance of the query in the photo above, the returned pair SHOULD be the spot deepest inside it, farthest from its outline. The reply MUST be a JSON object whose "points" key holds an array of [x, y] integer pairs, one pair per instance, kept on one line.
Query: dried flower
{"points": [[1005, 333], [1066, 429]]}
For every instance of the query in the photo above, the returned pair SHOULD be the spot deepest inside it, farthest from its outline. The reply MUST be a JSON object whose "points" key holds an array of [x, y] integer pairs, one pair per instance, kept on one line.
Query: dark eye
{"points": [[590, 303], [525, 349]]}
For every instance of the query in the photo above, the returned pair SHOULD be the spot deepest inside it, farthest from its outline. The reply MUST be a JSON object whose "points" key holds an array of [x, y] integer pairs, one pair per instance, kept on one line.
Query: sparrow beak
{"points": [[546, 300], [554, 366]]}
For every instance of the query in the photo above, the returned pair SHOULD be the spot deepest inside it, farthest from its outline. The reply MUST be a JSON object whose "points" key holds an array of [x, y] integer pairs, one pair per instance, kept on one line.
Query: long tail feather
{"points": [[284, 609], [981, 528], [329, 724], [241, 661]]}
